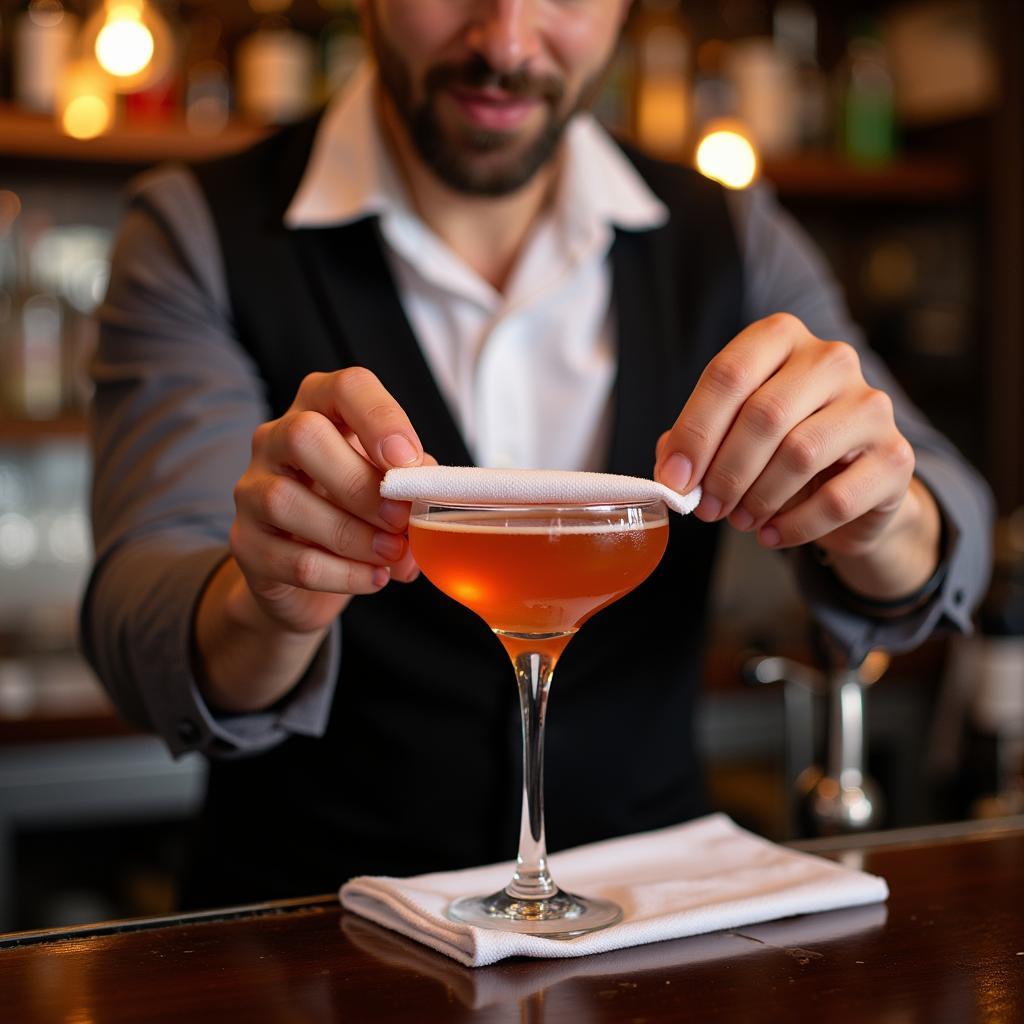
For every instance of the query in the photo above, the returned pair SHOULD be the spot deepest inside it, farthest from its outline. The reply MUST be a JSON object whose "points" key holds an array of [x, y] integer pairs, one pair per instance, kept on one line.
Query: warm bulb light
{"points": [[124, 46], [728, 157], [85, 105], [86, 117]]}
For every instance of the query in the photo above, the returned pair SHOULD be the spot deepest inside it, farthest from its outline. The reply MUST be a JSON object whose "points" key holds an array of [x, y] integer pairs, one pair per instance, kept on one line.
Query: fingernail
{"points": [[741, 519], [398, 450], [676, 472], [388, 546], [709, 507], [394, 513], [769, 537], [381, 576]]}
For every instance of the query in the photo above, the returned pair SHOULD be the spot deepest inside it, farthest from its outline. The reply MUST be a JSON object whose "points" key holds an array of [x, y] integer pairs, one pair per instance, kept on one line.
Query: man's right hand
{"points": [[311, 529], [310, 532]]}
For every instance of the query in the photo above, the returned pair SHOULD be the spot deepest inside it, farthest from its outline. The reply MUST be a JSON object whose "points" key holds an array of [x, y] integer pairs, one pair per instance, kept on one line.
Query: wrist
{"points": [[903, 562], [245, 660], [893, 607]]}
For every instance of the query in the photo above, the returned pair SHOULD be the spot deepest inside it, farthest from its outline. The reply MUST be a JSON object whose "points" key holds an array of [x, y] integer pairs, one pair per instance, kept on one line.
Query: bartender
{"points": [[454, 262]]}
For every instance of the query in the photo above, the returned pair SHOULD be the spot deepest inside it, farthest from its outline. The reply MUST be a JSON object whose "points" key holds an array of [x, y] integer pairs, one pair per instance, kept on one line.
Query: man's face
{"points": [[485, 87]]}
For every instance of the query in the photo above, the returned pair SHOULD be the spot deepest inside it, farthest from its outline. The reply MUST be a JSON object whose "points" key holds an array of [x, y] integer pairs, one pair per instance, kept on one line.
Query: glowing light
{"points": [[87, 116], [466, 591], [124, 45], [19, 540], [85, 104], [727, 156]]}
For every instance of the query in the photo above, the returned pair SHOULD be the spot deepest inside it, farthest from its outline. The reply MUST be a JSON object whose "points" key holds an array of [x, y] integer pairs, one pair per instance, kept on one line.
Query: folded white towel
{"points": [[689, 879], [474, 485]]}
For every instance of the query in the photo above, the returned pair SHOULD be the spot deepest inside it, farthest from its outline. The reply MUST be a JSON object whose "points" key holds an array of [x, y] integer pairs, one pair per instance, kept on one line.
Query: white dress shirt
{"points": [[527, 372]]}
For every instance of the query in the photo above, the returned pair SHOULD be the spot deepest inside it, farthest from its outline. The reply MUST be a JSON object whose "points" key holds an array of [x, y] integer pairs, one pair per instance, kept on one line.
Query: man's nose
{"points": [[505, 33]]}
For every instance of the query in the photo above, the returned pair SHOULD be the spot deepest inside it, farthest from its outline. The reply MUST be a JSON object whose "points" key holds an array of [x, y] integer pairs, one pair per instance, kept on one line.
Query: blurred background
{"points": [[893, 131]]}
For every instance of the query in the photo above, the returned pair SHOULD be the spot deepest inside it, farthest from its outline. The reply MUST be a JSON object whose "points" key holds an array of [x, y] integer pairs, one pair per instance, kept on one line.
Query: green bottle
{"points": [[868, 118]]}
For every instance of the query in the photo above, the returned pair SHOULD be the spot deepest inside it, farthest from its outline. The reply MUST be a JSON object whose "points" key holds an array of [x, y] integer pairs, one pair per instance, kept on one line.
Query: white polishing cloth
{"points": [[689, 879], [476, 486]]}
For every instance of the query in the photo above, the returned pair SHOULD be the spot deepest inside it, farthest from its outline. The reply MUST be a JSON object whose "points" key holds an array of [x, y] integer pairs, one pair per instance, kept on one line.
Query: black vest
{"points": [[419, 769]]}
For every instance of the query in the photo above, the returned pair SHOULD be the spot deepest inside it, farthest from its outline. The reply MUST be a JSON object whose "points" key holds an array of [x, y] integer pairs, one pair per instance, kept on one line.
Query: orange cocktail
{"points": [[535, 574], [540, 572]]}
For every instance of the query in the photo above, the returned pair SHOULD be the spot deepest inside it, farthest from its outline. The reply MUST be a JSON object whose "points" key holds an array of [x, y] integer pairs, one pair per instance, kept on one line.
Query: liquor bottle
{"points": [[764, 79], [714, 95], [32, 332], [341, 45], [868, 118], [206, 79], [275, 65], [662, 55], [997, 704], [42, 39], [37, 372], [795, 31]]}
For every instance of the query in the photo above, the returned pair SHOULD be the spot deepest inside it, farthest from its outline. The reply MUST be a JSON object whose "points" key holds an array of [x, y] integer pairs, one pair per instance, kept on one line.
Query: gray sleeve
{"points": [[785, 273], [176, 402]]}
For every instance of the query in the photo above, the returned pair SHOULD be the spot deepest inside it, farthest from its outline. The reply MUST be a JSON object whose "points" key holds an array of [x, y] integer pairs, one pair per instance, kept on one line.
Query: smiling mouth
{"points": [[495, 110]]}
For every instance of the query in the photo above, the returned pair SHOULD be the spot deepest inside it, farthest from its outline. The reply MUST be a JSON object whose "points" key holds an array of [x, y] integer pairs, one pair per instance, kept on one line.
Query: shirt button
{"points": [[188, 731]]}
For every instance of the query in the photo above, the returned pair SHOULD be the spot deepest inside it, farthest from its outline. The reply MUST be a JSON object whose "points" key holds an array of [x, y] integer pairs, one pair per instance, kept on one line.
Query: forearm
{"points": [[245, 661], [161, 509], [904, 558]]}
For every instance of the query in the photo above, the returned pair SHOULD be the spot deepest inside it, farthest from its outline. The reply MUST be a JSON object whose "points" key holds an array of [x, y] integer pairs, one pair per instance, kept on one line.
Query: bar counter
{"points": [[948, 946]]}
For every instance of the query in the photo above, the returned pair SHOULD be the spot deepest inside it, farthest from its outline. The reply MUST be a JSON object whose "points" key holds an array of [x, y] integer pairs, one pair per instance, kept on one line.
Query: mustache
{"points": [[476, 73]]}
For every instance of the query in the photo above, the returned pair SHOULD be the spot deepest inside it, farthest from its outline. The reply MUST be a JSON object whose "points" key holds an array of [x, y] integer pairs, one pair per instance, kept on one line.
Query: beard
{"points": [[474, 161]]}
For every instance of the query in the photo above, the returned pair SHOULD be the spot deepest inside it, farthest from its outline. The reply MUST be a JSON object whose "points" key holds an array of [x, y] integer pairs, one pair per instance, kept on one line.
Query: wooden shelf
{"points": [[19, 431], [32, 137], [905, 180], [57, 728], [813, 176]]}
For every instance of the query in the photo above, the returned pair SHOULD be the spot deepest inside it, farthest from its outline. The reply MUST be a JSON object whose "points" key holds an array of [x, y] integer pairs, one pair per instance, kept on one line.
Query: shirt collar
{"points": [[350, 174]]}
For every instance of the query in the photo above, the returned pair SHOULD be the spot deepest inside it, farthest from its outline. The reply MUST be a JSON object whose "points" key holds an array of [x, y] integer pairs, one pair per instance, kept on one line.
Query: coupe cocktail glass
{"points": [[535, 574]]}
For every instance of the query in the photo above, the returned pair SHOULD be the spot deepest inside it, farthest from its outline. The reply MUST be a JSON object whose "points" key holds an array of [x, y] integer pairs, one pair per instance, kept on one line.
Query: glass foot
{"points": [[561, 916]]}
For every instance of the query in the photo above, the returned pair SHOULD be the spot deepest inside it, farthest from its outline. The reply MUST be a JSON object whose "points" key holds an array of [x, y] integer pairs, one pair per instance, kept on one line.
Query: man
{"points": [[455, 263]]}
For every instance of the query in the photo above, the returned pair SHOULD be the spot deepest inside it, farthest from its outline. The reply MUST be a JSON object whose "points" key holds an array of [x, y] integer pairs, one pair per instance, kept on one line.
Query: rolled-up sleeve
{"points": [[176, 402], [784, 272]]}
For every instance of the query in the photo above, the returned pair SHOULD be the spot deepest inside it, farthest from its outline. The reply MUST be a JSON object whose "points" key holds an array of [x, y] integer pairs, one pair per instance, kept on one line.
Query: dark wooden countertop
{"points": [[948, 946]]}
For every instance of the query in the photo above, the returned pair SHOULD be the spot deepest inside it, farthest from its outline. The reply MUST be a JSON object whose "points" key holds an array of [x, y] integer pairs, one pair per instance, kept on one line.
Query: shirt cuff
{"points": [[178, 711], [304, 711]]}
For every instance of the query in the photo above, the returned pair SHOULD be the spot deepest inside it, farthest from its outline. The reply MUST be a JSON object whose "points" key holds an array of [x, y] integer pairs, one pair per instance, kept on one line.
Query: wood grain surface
{"points": [[948, 946]]}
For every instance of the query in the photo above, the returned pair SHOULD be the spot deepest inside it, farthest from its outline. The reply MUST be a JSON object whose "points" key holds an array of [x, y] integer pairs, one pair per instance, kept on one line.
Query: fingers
{"points": [[857, 501], [310, 443], [309, 511], [355, 400], [836, 433], [285, 505], [271, 561], [773, 422], [742, 367], [406, 569]]}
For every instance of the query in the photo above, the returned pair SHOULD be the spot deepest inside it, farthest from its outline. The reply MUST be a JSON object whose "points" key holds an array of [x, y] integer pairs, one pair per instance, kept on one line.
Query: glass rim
{"points": [[600, 506]]}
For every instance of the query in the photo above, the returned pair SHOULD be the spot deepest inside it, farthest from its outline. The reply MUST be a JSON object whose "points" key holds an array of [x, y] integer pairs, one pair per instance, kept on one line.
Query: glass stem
{"points": [[531, 880]]}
